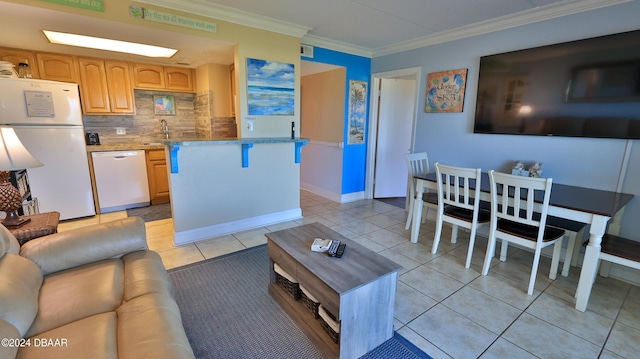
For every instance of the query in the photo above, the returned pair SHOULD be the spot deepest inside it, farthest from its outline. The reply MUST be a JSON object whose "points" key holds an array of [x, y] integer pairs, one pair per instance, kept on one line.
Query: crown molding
{"points": [[336, 45], [245, 18], [225, 13], [504, 22]]}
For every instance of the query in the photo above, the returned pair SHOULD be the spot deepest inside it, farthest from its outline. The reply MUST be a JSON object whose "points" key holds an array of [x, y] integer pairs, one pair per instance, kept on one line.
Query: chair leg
{"points": [[436, 237], [534, 271], [504, 246], [454, 233], [555, 259], [571, 243], [491, 246], [604, 269], [472, 241], [576, 247], [410, 214]]}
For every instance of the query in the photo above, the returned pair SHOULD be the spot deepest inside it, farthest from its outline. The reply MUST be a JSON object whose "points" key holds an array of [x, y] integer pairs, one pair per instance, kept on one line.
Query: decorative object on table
{"points": [[445, 91], [164, 105], [13, 156], [357, 111], [24, 71], [270, 88], [518, 170], [535, 170]]}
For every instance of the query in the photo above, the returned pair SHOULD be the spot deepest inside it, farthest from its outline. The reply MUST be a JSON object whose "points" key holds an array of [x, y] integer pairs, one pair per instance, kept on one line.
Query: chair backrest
{"points": [[457, 185], [523, 200], [416, 163]]}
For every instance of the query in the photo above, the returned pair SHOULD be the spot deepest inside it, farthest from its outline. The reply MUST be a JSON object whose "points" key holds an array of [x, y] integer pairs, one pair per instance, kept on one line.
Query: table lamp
{"points": [[13, 156]]}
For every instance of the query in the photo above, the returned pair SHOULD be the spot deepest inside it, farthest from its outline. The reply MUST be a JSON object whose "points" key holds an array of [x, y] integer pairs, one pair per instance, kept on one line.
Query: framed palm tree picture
{"points": [[357, 111]]}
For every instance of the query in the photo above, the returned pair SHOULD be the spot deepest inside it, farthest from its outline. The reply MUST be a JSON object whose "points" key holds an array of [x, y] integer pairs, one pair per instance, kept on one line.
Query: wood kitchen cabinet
{"points": [[179, 79], [16, 56], [156, 77], [105, 87], [57, 67], [157, 176], [148, 76]]}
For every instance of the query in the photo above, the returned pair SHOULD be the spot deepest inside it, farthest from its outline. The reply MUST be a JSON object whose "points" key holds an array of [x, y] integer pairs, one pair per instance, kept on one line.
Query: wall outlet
{"points": [[121, 131], [250, 125]]}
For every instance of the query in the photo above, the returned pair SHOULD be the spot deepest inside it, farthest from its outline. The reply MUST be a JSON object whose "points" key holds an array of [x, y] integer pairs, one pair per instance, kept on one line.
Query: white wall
{"points": [[449, 138], [212, 194], [321, 169]]}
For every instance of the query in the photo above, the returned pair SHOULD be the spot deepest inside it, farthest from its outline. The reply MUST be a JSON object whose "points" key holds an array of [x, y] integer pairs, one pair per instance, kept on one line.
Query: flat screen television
{"points": [[585, 88]]}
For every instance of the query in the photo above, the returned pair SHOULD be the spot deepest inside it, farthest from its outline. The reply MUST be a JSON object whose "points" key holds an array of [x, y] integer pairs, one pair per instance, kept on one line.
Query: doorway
{"points": [[391, 134]]}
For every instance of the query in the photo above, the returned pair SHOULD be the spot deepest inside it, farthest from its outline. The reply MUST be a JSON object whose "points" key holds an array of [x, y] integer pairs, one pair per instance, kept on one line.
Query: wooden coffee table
{"points": [[358, 288]]}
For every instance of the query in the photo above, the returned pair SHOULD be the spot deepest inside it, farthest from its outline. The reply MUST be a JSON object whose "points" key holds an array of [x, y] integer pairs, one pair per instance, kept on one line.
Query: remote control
{"points": [[340, 250], [333, 248]]}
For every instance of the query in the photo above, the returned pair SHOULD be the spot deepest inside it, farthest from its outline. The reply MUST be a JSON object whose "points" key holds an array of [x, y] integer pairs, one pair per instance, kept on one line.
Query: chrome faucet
{"points": [[164, 129]]}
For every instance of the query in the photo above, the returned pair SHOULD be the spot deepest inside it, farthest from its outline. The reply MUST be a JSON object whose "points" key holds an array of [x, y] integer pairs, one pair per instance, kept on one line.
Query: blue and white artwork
{"points": [[270, 88]]}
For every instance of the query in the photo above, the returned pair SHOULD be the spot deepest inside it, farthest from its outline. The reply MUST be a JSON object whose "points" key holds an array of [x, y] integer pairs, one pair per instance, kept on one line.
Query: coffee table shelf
{"points": [[358, 288]]}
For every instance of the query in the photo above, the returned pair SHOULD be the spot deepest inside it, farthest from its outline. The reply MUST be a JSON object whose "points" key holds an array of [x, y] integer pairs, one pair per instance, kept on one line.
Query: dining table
{"points": [[602, 209]]}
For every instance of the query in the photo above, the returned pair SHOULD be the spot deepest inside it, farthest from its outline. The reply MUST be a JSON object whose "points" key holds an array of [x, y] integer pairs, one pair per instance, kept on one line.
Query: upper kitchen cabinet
{"points": [[57, 67], [16, 56], [155, 77], [105, 86], [148, 76], [179, 79]]}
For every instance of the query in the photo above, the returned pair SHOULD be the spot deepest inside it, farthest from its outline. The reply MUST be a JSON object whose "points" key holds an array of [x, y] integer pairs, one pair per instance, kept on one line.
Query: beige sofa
{"points": [[93, 292]]}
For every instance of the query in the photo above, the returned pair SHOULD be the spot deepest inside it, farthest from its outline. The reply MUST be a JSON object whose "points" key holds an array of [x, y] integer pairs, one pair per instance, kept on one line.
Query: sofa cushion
{"points": [[150, 326], [144, 273], [20, 281], [85, 245], [8, 242], [93, 337], [78, 293]]}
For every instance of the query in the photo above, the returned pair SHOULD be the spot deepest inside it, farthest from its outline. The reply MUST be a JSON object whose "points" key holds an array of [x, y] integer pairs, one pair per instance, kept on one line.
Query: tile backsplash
{"points": [[192, 120]]}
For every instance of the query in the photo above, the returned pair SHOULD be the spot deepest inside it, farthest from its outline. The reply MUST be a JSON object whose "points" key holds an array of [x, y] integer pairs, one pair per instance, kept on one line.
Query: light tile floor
{"points": [[446, 310]]}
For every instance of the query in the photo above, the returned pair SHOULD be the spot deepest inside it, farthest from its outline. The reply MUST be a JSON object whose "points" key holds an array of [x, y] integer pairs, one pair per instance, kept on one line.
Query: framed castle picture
{"points": [[445, 91]]}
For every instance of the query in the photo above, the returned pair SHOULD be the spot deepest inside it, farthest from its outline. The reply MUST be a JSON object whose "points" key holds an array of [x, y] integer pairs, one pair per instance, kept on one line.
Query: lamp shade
{"points": [[13, 155]]}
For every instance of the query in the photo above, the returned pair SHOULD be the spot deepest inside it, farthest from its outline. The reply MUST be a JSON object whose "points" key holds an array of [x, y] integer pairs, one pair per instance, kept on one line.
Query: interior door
{"points": [[395, 121]]}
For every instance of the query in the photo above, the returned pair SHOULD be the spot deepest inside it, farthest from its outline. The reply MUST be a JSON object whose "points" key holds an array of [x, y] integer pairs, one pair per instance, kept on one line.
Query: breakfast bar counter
{"points": [[222, 186]]}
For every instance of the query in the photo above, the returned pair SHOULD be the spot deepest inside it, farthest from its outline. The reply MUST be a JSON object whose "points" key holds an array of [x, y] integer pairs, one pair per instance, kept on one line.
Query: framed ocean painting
{"points": [[445, 91], [270, 88]]}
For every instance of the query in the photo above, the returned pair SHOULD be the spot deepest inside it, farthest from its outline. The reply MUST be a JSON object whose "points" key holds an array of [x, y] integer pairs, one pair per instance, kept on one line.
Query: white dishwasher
{"points": [[121, 179]]}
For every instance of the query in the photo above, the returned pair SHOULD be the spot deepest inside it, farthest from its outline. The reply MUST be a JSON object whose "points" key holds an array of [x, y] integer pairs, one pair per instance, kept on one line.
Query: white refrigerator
{"points": [[47, 117]]}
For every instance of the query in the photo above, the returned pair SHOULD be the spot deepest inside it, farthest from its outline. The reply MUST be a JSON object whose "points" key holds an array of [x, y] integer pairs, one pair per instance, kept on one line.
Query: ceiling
{"points": [[362, 27]]}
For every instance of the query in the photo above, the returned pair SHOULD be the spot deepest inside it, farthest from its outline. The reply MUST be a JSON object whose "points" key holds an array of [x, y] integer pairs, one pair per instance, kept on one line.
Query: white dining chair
{"points": [[519, 207], [457, 205], [574, 232], [418, 163], [619, 250]]}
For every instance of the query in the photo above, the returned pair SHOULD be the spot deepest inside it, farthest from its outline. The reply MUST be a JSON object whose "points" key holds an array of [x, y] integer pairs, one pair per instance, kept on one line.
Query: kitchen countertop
{"points": [[189, 141], [235, 140]]}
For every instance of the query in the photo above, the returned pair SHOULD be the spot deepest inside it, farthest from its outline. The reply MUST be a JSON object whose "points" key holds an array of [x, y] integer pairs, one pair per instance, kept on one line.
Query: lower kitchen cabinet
{"points": [[158, 177]]}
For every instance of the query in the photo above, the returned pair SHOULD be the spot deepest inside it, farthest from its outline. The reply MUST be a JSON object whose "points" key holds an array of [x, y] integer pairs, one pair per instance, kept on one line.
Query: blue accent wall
{"points": [[354, 158]]}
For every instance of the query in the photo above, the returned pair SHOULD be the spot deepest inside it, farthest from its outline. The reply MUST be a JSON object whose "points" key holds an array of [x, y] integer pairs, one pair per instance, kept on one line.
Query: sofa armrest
{"points": [[85, 245]]}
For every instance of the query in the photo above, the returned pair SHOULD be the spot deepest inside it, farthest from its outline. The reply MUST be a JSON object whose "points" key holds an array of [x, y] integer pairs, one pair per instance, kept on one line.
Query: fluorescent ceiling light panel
{"points": [[107, 44]]}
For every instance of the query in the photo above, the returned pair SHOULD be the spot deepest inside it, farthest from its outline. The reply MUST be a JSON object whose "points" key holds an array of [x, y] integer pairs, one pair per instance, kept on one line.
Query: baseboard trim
{"points": [[352, 197], [198, 234], [322, 192]]}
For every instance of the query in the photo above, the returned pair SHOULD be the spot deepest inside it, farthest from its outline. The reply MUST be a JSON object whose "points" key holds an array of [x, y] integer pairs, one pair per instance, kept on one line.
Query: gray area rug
{"points": [[227, 312], [151, 213]]}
